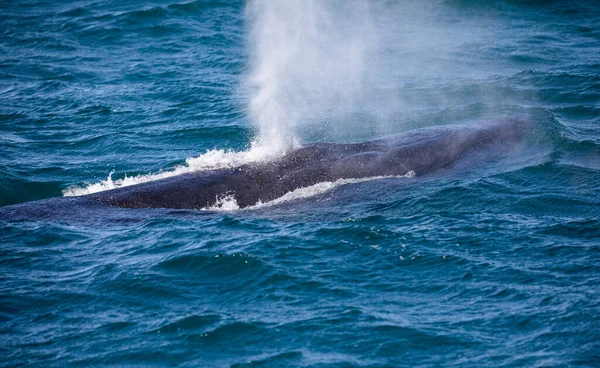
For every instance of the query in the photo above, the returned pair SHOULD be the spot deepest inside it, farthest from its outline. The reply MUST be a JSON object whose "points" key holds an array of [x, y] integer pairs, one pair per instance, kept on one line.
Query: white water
{"points": [[211, 160], [229, 203]]}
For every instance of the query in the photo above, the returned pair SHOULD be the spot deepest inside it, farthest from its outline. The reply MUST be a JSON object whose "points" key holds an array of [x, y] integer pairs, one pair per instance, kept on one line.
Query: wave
{"points": [[211, 160], [229, 203]]}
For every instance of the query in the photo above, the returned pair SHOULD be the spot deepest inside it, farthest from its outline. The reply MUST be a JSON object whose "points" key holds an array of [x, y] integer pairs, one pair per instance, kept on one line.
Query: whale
{"points": [[418, 152]]}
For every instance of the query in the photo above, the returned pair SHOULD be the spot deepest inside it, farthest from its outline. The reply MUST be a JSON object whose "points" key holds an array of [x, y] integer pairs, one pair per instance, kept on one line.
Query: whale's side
{"points": [[421, 151]]}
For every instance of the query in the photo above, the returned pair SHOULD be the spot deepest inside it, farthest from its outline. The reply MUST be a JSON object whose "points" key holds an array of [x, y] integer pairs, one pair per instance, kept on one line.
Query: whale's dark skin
{"points": [[421, 151]]}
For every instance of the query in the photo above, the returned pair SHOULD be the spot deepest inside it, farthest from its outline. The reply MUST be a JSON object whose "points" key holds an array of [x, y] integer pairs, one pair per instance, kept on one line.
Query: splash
{"points": [[229, 203], [224, 203], [211, 160], [307, 62], [319, 64]]}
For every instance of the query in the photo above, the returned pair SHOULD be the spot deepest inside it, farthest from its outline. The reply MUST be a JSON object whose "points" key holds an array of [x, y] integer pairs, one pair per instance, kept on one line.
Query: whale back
{"points": [[421, 151]]}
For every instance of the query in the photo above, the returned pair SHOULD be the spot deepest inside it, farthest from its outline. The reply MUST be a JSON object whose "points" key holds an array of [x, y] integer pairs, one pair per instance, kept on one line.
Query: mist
{"points": [[308, 62], [344, 70]]}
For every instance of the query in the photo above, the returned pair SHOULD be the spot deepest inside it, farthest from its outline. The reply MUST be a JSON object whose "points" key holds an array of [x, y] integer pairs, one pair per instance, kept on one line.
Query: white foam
{"points": [[211, 160], [228, 202], [323, 187], [224, 203]]}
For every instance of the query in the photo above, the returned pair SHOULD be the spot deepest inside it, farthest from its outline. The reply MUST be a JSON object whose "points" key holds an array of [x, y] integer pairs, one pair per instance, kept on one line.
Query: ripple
{"points": [[190, 323], [489, 266]]}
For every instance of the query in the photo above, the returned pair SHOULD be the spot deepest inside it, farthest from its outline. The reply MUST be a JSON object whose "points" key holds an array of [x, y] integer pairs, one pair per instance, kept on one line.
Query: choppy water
{"points": [[498, 266]]}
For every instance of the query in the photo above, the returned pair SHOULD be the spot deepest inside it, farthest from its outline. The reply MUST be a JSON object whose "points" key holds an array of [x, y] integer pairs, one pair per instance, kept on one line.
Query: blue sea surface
{"points": [[496, 266]]}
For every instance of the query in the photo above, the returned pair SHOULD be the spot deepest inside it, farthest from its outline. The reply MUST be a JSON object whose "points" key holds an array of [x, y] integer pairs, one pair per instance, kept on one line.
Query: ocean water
{"points": [[492, 265]]}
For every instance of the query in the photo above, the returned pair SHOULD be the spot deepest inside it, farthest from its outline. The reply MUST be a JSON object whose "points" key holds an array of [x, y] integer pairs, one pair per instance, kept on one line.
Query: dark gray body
{"points": [[422, 151]]}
